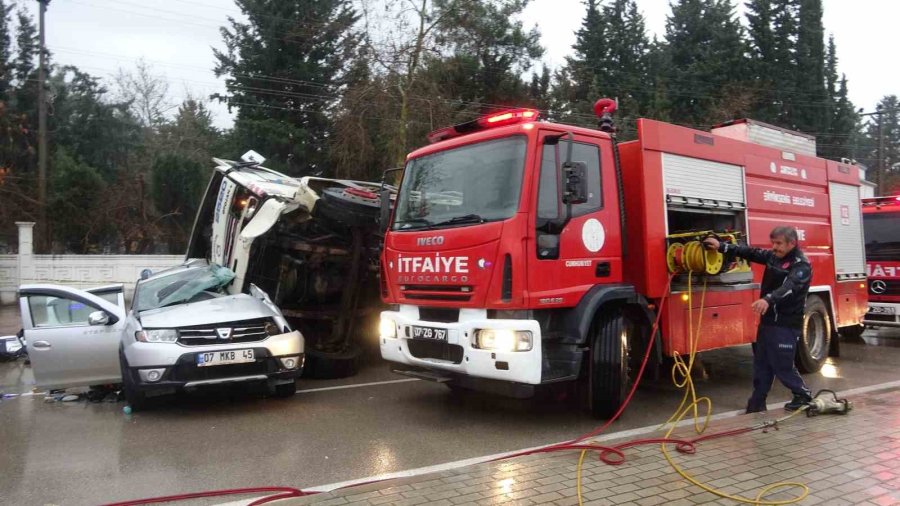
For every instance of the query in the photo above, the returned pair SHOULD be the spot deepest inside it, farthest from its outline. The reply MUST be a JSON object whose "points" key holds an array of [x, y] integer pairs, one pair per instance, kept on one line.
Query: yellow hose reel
{"points": [[686, 253]]}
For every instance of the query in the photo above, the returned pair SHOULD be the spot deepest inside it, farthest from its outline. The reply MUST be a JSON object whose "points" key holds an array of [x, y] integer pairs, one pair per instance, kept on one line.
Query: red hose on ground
{"points": [[283, 493], [687, 446]]}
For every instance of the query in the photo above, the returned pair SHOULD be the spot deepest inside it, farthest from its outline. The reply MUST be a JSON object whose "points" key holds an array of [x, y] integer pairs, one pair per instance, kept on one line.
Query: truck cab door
{"points": [[567, 260], [73, 335]]}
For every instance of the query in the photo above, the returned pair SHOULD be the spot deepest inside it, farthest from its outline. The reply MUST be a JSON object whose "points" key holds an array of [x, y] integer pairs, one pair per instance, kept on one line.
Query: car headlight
{"points": [[387, 328], [156, 335], [503, 340]]}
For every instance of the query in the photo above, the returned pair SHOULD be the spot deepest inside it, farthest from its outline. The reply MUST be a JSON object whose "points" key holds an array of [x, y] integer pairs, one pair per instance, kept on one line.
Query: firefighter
{"points": [[785, 284]]}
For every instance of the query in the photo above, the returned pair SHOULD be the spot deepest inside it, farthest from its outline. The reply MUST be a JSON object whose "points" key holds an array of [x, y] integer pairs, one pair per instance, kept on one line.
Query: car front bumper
{"points": [[177, 364]]}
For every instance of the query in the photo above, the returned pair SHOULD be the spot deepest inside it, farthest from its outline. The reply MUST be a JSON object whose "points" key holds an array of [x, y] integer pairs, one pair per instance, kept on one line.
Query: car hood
{"points": [[219, 310]]}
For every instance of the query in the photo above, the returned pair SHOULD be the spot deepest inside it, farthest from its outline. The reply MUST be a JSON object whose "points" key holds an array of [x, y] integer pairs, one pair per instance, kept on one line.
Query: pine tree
{"points": [[707, 62], [284, 69], [811, 101], [762, 44], [6, 54], [611, 50], [783, 70]]}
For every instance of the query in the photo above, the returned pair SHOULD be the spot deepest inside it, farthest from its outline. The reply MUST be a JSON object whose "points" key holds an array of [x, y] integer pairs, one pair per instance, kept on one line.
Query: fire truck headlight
{"points": [[503, 340], [387, 328]]}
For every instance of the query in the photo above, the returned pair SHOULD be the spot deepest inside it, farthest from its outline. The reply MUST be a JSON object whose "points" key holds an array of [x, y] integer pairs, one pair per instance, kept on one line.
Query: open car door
{"points": [[73, 335]]}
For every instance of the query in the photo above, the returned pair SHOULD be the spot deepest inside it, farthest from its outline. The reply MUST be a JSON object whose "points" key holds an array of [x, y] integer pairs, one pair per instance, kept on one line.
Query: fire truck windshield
{"points": [[462, 186], [882, 235]]}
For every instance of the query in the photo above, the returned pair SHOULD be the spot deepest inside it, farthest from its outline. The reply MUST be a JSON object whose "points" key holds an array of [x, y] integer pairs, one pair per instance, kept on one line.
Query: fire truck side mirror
{"points": [[385, 214], [575, 177]]}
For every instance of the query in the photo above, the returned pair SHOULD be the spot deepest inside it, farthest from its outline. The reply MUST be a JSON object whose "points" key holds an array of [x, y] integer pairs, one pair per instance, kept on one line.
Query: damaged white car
{"points": [[184, 331]]}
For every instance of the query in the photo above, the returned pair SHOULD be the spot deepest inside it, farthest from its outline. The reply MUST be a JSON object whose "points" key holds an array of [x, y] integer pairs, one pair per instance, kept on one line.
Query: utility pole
{"points": [[44, 235], [879, 160]]}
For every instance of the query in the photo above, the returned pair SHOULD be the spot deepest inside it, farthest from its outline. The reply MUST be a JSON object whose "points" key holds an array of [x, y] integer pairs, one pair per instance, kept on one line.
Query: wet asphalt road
{"points": [[86, 453]]}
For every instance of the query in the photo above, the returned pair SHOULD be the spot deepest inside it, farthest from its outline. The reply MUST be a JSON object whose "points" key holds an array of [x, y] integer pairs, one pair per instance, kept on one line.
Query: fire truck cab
{"points": [[881, 219], [523, 253]]}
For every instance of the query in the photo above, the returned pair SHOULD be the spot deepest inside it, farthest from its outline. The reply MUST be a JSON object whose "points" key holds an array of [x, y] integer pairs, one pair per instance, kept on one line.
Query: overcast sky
{"points": [[176, 37]]}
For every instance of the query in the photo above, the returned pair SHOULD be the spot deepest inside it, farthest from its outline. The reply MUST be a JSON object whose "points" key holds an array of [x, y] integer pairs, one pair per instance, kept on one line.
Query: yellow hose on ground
{"points": [[685, 407]]}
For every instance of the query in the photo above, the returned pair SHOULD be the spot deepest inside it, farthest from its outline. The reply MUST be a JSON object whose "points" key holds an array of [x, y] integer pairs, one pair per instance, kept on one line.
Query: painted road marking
{"points": [[357, 385], [306, 391], [614, 435]]}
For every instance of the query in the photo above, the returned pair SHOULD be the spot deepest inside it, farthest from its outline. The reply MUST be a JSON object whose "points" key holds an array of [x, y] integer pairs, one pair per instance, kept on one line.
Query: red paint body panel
{"points": [[883, 269], [781, 188]]}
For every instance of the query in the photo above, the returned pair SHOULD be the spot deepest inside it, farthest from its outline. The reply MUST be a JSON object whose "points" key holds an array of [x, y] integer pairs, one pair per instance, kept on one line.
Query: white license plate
{"points": [[428, 333], [225, 357], [881, 310]]}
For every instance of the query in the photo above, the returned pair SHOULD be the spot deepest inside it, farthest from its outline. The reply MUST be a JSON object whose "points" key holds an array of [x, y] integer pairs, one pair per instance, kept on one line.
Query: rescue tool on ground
{"points": [[522, 253]]}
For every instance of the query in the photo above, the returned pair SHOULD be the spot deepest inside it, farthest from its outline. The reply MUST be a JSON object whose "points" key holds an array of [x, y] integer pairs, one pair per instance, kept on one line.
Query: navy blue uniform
{"points": [[785, 285]]}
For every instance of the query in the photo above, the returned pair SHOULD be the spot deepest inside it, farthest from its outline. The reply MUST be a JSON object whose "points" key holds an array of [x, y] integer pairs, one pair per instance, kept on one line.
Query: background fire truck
{"points": [[881, 219], [524, 253]]}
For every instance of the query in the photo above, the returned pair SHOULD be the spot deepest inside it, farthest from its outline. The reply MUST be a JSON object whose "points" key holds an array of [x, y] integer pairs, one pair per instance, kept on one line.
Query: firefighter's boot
{"points": [[798, 402]]}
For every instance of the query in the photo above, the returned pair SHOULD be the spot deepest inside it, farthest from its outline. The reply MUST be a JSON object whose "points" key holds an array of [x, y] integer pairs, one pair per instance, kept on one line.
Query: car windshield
{"points": [[180, 287], [470, 184], [882, 235]]}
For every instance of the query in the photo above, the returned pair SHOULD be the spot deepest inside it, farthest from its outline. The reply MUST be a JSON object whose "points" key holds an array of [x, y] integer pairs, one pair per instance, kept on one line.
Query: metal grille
{"points": [[884, 287], [461, 293], [246, 331], [421, 348], [439, 314], [186, 369]]}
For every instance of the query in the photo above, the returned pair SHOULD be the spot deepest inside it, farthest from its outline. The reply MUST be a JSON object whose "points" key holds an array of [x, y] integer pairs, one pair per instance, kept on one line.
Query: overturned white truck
{"points": [[311, 243]]}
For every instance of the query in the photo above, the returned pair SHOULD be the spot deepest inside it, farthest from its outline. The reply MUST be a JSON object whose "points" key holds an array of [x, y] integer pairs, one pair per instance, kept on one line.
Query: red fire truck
{"points": [[522, 253], [881, 220]]}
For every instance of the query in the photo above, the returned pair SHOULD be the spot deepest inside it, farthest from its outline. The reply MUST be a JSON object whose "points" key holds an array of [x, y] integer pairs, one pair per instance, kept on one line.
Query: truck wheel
{"points": [[608, 381], [815, 341], [136, 399]]}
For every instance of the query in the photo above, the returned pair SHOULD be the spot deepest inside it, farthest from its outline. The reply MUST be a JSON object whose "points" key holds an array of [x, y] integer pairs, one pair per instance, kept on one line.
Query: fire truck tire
{"points": [[815, 341], [322, 365], [608, 380]]}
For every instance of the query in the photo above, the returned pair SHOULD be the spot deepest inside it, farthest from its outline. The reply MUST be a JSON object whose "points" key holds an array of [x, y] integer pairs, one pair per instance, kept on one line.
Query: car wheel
{"points": [[136, 399], [608, 379], [285, 390], [815, 341]]}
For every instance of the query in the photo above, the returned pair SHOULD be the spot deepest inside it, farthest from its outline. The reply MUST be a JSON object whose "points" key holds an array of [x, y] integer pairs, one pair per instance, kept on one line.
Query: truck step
{"points": [[425, 375]]}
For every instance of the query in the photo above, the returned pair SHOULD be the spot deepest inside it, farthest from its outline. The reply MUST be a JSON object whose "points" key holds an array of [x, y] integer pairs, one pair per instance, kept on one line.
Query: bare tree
{"points": [[146, 93]]}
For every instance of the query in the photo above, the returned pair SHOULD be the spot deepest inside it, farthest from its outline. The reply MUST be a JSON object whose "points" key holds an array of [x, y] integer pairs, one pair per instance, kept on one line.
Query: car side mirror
{"points": [[575, 179], [98, 318]]}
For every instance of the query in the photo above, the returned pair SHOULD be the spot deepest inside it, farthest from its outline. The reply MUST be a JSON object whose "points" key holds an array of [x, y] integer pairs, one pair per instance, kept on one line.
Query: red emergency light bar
{"points": [[892, 200], [496, 119]]}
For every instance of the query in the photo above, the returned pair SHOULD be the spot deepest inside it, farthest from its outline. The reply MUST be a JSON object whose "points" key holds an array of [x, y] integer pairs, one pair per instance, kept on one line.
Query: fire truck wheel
{"points": [[608, 381], [812, 350]]}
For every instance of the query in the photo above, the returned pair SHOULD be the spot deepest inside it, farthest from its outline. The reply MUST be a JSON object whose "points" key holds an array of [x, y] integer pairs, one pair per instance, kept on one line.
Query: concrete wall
{"points": [[80, 271]]}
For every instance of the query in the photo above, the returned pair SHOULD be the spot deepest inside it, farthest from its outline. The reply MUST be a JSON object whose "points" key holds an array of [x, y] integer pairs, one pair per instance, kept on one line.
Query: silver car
{"points": [[183, 331]]}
